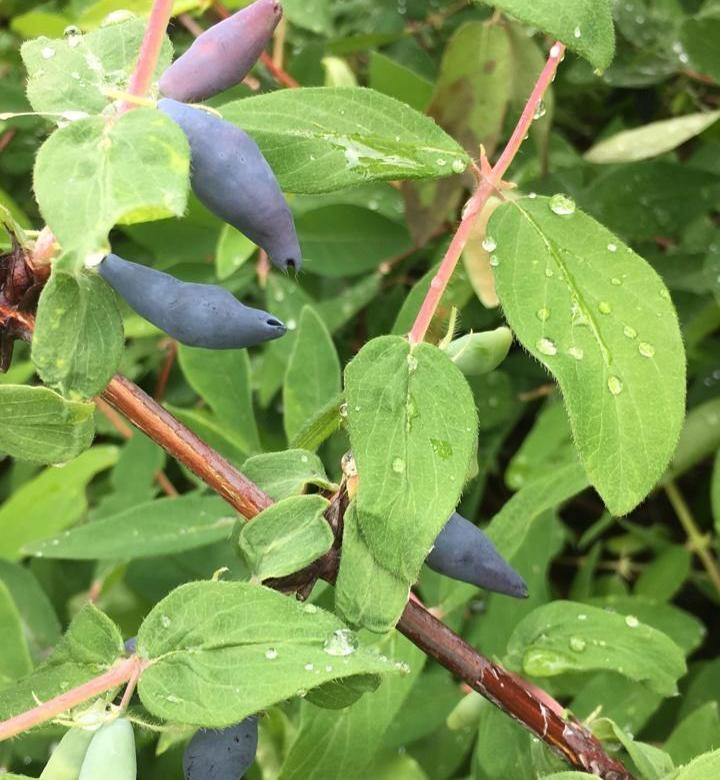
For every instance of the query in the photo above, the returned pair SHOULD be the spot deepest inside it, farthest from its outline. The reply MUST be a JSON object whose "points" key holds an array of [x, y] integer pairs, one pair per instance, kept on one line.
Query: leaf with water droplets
{"points": [[412, 425], [325, 138], [615, 349], [220, 651], [567, 636], [584, 26]]}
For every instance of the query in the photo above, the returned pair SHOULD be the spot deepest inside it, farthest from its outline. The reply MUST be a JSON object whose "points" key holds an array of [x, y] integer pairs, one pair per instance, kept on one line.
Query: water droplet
{"points": [[546, 346], [301, 693], [612, 247], [443, 449], [604, 307], [436, 283], [165, 621], [309, 667], [540, 110], [577, 643], [311, 609], [489, 244], [614, 384], [664, 294], [494, 261], [616, 281], [398, 465], [576, 352], [582, 616], [561, 204], [341, 642], [543, 314], [440, 162], [555, 51], [73, 36], [47, 53], [630, 332], [631, 621], [458, 166], [343, 410], [577, 32], [291, 324], [271, 654], [549, 273], [412, 363]]}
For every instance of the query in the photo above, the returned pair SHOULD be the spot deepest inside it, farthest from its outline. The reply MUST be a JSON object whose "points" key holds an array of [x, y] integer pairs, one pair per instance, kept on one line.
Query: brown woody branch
{"points": [[536, 711]]}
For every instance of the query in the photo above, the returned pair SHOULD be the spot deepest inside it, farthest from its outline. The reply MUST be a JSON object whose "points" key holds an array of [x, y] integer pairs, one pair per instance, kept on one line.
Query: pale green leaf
{"points": [[326, 138], [95, 12], [75, 73], [584, 26], [413, 428], [398, 81], [704, 767], [699, 37], [565, 636], [78, 340], [15, 658], [695, 733], [51, 501], [233, 251], [220, 651], [652, 762], [715, 492], [287, 473], [39, 425], [601, 320], [313, 375], [650, 140], [222, 378], [348, 240], [96, 173], [320, 426], [162, 527], [286, 537]]}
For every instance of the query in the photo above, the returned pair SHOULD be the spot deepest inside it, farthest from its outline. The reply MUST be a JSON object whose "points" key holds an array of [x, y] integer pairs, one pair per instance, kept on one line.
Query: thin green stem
{"points": [[698, 540]]}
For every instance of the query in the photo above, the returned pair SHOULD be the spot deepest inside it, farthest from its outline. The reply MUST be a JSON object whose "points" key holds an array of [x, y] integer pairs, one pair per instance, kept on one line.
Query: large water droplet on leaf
{"points": [[547, 346], [341, 642], [562, 205]]}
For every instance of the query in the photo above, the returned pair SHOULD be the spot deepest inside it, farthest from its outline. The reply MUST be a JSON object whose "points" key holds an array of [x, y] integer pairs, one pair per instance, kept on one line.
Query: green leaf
{"points": [[351, 135], [78, 339], [39, 425], [287, 473], [90, 646], [312, 378], [315, 16], [471, 94], [15, 660], [162, 527], [286, 537], [699, 37], [694, 733], [511, 524], [715, 492], [650, 140], [348, 240], [413, 428], [366, 593], [96, 173], [705, 767], [320, 426], [40, 625], [480, 353], [233, 251], [222, 379], [66, 759], [584, 26], [220, 651], [398, 81], [601, 320], [74, 73], [342, 743], [652, 762], [53, 500], [564, 636]]}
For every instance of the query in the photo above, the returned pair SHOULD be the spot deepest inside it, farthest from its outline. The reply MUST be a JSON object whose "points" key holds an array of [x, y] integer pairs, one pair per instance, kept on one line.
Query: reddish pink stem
{"points": [[121, 673], [141, 80], [490, 181]]}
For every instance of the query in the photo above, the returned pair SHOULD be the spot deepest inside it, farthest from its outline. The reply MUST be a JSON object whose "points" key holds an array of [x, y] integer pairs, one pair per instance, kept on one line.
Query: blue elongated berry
{"points": [[223, 55], [199, 315], [131, 645], [221, 755], [232, 178], [462, 551]]}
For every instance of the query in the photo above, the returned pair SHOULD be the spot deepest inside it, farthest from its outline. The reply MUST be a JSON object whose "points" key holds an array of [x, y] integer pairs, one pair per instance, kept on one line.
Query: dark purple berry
{"points": [[462, 551], [223, 55], [199, 315], [221, 755], [232, 178]]}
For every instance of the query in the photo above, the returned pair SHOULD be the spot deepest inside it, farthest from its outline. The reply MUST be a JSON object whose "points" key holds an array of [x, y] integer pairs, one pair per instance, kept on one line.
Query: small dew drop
{"points": [[615, 385], [549, 273], [631, 621], [341, 642], [165, 621], [646, 350], [562, 205], [616, 281], [271, 654], [398, 465], [577, 32], [604, 307], [494, 261], [458, 166], [664, 294], [489, 244], [309, 667], [555, 51], [630, 332], [612, 247], [543, 314], [311, 609], [576, 352], [582, 616], [546, 346], [577, 643], [47, 53], [540, 110], [291, 324], [440, 162]]}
